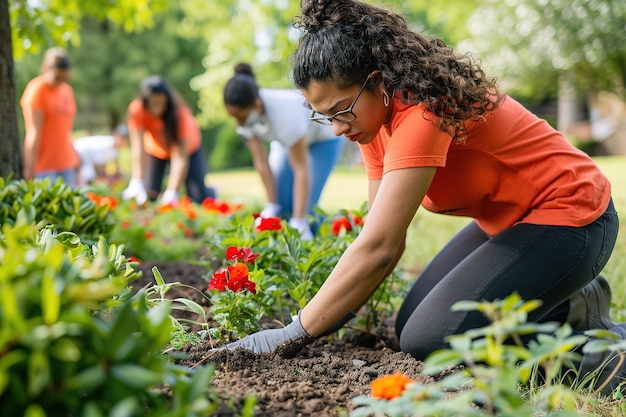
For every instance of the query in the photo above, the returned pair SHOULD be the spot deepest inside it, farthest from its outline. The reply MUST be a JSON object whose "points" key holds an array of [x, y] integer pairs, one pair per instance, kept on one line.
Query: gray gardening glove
{"points": [[286, 342]]}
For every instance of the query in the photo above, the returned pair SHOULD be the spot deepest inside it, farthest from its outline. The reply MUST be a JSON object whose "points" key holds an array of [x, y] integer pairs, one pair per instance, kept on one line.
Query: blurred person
{"points": [[435, 131], [96, 151], [302, 154], [49, 108], [163, 132]]}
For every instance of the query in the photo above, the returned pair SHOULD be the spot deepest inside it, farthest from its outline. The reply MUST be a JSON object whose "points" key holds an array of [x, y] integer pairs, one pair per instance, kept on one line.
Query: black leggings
{"points": [[549, 263], [194, 182]]}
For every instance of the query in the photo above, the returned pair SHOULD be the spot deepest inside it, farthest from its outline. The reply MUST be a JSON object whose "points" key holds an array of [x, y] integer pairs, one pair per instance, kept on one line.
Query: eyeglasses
{"points": [[343, 116]]}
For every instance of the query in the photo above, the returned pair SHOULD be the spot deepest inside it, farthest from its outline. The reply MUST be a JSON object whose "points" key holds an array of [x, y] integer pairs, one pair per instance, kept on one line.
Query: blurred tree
{"points": [[531, 42], [34, 25]]}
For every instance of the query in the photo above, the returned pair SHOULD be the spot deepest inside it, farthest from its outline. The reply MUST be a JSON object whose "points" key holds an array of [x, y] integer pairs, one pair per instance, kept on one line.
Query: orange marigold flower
{"points": [[390, 386], [125, 224], [108, 201], [191, 213], [166, 207]]}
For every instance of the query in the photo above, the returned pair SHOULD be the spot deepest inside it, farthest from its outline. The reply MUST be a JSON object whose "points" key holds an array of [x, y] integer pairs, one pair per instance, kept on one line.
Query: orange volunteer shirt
{"points": [[512, 168], [56, 152], [154, 140]]}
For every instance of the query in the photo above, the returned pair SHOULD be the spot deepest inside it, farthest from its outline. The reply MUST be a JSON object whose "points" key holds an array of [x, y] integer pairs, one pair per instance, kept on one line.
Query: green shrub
{"points": [[43, 203], [72, 340]]}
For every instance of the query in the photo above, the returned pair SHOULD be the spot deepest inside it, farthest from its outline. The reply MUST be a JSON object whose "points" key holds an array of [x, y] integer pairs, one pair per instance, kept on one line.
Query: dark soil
{"points": [[320, 380]]}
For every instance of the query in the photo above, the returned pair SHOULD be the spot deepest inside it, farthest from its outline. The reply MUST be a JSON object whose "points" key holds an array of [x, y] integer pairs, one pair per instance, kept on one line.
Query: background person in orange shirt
{"points": [[49, 107], [163, 132], [435, 132]]}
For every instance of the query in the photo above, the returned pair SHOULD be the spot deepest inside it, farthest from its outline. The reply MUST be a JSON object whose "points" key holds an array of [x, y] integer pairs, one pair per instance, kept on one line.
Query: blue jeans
{"points": [[323, 157], [194, 182], [549, 263], [69, 176]]}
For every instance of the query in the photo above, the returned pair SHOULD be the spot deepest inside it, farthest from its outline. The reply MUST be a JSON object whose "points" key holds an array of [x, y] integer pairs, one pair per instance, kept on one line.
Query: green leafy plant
{"points": [[73, 342], [487, 369], [44, 203]]}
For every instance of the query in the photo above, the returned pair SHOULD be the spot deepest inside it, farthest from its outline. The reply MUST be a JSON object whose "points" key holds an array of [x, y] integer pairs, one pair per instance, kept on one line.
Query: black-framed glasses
{"points": [[344, 116]]}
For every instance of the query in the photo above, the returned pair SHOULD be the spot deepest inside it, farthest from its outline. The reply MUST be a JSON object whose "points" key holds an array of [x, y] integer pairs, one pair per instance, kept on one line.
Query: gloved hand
{"points": [[270, 210], [169, 197], [135, 190], [302, 226], [287, 341]]}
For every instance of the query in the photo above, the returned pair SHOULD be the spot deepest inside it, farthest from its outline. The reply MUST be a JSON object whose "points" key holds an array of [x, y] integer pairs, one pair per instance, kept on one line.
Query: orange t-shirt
{"points": [[154, 142], [57, 103], [512, 168]]}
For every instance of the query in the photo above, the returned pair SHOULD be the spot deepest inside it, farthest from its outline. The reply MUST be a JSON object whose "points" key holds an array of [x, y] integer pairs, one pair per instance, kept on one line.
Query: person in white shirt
{"points": [[95, 152], [302, 154]]}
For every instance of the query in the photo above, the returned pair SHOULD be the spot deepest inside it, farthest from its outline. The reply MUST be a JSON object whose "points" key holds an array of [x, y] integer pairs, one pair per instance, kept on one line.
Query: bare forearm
{"points": [[178, 170], [356, 276], [31, 152]]}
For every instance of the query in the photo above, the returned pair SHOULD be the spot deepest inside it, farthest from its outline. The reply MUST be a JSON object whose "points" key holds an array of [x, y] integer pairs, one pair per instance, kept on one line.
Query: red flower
{"points": [[125, 224], [340, 223], [232, 253], [357, 220], [390, 386], [219, 280], [188, 232], [244, 254], [134, 259], [149, 234], [269, 223]]}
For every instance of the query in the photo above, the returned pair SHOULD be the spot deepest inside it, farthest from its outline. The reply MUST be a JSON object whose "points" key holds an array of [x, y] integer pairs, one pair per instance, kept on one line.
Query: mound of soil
{"points": [[320, 380]]}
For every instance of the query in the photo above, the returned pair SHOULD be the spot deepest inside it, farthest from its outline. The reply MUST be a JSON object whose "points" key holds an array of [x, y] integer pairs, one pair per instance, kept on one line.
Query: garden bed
{"points": [[321, 380]]}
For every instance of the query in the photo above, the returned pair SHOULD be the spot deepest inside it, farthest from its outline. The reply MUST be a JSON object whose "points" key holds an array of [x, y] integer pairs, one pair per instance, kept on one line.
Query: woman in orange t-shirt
{"points": [[163, 131], [435, 131], [49, 108]]}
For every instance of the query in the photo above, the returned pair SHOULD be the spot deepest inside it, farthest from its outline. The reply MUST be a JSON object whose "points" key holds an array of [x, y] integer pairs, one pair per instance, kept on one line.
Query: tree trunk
{"points": [[10, 151]]}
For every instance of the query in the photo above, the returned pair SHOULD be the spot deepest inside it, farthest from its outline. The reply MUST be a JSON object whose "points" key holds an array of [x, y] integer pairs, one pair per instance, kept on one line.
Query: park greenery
{"points": [[195, 45], [75, 341]]}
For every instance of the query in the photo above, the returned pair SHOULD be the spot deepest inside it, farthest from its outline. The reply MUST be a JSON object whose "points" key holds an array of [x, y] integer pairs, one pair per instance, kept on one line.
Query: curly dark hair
{"points": [[345, 40]]}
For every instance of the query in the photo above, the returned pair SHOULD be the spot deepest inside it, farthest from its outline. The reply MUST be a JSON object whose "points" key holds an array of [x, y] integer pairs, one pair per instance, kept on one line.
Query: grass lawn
{"points": [[347, 189]]}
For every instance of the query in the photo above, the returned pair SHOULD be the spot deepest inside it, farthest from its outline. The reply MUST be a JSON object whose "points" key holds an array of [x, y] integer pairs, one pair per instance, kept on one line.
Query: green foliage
{"points": [[289, 271], [73, 342], [55, 22], [179, 336], [42, 203], [538, 41], [499, 376]]}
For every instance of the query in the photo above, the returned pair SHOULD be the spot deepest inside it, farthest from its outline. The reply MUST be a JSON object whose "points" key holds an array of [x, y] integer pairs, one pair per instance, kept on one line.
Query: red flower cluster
{"points": [[235, 277], [268, 223], [343, 222]]}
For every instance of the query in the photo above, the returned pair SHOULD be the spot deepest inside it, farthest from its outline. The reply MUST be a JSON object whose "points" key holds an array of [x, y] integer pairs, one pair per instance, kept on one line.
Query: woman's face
{"points": [[327, 98], [241, 114], [57, 76], [157, 104]]}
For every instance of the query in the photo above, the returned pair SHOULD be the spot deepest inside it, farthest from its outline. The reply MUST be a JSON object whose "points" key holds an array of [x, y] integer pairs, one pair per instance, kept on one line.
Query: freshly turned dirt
{"points": [[320, 380]]}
